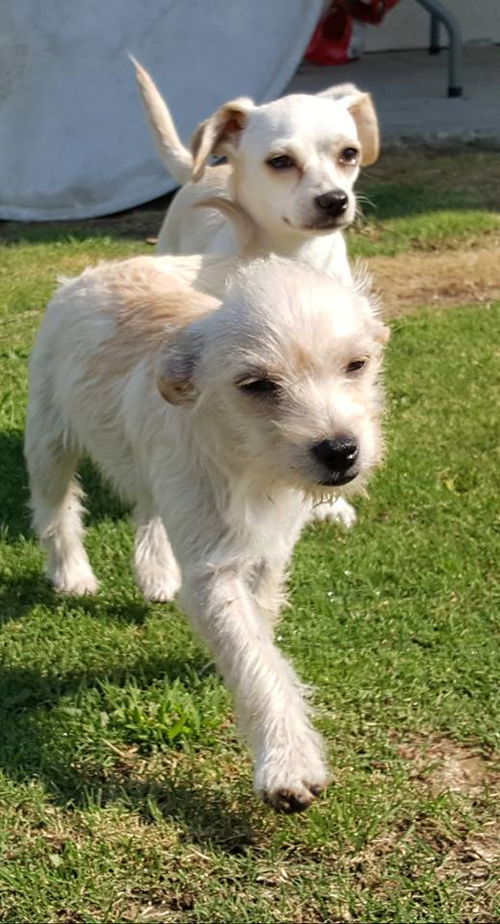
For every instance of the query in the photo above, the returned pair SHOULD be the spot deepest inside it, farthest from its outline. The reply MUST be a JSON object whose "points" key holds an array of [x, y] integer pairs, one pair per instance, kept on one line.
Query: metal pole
{"points": [[434, 48], [439, 11]]}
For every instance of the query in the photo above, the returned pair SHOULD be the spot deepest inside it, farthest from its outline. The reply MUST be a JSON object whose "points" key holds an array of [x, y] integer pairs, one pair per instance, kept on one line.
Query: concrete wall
{"points": [[407, 25]]}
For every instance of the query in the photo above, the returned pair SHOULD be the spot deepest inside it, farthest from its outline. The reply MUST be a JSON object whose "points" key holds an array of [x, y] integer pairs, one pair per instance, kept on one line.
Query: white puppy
{"points": [[292, 165], [219, 423]]}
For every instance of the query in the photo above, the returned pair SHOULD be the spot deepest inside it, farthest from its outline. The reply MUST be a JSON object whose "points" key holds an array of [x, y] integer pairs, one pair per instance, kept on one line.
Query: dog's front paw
{"points": [[337, 511], [296, 797], [75, 581], [159, 583], [156, 570], [289, 781], [161, 591]]}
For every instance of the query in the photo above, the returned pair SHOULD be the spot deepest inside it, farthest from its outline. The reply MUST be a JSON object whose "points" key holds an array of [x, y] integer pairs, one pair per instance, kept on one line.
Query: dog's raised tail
{"points": [[177, 159], [243, 225]]}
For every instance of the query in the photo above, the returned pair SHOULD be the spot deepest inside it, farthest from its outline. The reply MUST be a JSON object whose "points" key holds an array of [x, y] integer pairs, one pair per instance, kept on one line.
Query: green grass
{"points": [[425, 200], [125, 792], [424, 232]]}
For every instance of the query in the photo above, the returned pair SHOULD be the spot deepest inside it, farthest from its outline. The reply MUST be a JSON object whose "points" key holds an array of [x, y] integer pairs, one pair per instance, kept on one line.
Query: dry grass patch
{"points": [[408, 281], [445, 766], [475, 866]]}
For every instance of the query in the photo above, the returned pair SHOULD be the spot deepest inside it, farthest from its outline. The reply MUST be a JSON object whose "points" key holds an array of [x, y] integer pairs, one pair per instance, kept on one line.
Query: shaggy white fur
{"points": [[220, 423]]}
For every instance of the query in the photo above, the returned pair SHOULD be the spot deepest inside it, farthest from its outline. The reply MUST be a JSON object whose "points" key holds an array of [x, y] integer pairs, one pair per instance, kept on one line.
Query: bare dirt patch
{"points": [[475, 864], [445, 766], [412, 280]]}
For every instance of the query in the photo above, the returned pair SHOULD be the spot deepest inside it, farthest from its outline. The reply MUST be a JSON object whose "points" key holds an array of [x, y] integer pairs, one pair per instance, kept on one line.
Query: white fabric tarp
{"points": [[74, 142]]}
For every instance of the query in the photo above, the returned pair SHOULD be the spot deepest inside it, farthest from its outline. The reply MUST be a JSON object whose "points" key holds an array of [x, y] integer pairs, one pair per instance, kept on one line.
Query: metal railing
{"points": [[440, 15]]}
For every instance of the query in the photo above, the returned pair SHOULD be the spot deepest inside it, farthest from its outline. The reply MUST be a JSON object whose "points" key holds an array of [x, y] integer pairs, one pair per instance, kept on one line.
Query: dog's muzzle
{"points": [[330, 209], [338, 458], [333, 203]]}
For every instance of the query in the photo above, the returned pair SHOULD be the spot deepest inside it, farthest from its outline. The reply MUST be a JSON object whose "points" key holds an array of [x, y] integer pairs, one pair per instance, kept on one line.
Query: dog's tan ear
{"points": [[176, 373], [365, 117], [219, 134], [361, 107]]}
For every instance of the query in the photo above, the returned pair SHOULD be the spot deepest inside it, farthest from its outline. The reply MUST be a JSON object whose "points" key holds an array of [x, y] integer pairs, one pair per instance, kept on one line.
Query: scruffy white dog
{"points": [[292, 165], [219, 423]]}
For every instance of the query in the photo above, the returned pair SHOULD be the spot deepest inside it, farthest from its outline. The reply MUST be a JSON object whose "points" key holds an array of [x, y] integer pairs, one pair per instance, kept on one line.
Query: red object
{"points": [[338, 37], [372, 11]]}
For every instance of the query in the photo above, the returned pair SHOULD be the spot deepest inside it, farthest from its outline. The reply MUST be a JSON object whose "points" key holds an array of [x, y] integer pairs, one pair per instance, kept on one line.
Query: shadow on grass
{"points": [[205, 817], [382, 201], [14, 495], [133, 224], [422, 178], [30, 688], [100, 502], [19, 595], [29, 588], [29, 751], [28, 697]]}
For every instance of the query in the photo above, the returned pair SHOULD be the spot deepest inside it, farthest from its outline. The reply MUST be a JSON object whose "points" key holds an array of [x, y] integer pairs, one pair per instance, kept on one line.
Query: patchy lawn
{"points": [[430, 229], [125, 792]]}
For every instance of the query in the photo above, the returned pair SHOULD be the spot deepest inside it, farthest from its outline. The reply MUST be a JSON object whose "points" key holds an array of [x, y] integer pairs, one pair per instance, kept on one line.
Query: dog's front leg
{"points": [[268, 590], [289, 764]]}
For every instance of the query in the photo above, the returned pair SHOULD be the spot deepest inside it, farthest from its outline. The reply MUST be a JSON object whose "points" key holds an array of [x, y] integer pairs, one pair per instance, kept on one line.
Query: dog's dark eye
{"points": [[281, 162], [263, 386], [349, 156], [356, 366]]}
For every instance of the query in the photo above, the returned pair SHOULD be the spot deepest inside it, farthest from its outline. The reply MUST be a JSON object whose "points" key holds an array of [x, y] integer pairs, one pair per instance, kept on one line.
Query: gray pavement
{"points": [[410, 88]]}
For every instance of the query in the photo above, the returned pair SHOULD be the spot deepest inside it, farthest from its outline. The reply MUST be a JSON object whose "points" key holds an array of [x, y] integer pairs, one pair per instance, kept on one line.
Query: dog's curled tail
{"points": [[177, 159], [243, 225]]}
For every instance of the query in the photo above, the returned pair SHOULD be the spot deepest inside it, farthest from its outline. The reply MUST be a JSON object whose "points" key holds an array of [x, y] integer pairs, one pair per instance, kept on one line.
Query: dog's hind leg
{"points": [[156, 569], [52, 457]]}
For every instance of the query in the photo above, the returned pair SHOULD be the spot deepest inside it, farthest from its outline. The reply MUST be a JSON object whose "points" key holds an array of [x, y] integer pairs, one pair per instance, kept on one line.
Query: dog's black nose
{"points": [[337, 455], [333, 203]]}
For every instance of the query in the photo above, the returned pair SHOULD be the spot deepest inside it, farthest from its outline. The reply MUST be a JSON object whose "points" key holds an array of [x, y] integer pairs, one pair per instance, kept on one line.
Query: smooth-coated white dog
{"points": [[220, 423], [292, 165]]}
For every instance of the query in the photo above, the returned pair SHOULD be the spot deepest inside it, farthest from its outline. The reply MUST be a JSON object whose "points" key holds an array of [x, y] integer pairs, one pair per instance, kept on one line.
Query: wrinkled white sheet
{"points": [[74, 142]]}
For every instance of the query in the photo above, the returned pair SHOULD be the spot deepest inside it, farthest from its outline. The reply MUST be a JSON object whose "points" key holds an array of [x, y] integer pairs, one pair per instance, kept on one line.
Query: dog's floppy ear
{"points": [[361, 107], [365, 117], [379, 331], [219, 134], [176, 372]]}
